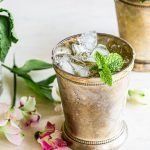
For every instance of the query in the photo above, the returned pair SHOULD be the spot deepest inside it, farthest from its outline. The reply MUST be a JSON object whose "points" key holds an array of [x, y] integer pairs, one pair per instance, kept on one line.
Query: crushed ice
{"points": [[72, 60]]}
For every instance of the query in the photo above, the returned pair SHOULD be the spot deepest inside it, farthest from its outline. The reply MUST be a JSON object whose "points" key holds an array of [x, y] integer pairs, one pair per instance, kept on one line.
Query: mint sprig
{"points": [[108, 65]]}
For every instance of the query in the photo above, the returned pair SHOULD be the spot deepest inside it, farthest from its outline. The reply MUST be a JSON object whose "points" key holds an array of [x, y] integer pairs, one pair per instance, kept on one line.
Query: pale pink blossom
{"points": [[8, 125], [28, 107]]}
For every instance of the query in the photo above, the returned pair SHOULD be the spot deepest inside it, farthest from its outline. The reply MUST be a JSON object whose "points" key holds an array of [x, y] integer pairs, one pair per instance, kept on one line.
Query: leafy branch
{"points": [[43, 88]]}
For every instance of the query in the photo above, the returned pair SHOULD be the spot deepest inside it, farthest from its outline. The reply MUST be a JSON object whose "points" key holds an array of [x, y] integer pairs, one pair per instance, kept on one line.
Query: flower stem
{"points": [[14, 87]]}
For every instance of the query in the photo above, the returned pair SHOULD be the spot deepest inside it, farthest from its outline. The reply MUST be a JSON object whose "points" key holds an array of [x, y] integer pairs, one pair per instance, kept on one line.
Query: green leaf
{"points": [[104, 71], [114, 61], [105, 75], [12, 34], [46, 93], [48, 81], [7, 35], [100, 60], [5, 41], [34, 64]]}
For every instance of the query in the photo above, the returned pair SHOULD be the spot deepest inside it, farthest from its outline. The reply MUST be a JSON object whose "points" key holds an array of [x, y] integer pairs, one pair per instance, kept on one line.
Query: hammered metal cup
{"points": [[134, 26], [92, 109]]}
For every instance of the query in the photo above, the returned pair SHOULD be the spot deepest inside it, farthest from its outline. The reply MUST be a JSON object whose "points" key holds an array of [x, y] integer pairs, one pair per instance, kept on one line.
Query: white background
{"points": [[40, 25]]}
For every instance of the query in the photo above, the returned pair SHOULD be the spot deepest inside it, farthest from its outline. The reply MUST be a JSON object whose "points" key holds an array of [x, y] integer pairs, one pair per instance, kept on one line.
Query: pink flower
{"points": [[8, 113], [8, 126], [50, 138], [28, 107], [10, 117]]}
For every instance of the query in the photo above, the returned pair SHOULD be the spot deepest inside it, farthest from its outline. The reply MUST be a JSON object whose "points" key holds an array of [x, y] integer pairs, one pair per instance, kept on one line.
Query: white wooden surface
{"points": [[40, 24]]}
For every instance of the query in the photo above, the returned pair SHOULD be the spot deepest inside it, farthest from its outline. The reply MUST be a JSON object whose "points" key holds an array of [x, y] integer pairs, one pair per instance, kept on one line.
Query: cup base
{"points": [[111, 144]]}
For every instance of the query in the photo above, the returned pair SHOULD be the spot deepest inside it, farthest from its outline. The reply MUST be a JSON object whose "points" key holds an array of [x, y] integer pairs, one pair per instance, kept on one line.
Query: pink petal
{"points": [[23, 101], [32, 120], [50, 127], [16, 114], [56, 135], [15, 138], [12, 128], [46, 146], [60, 143], [35, 118], [44, 135]]}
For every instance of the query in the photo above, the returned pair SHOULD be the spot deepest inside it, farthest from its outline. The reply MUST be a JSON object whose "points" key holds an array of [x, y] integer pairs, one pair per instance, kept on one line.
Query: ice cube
{"points": [[83, 56], [86, 43], [81, 71], [102, 49], [62, 50], [88, 40], [77, 49], [72, 64], [99, 48], [64, 63]]}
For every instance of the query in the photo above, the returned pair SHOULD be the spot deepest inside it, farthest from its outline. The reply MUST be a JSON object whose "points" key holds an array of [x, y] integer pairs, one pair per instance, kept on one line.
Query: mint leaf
{"points": [[104, 71], [34, 64], [7, 35], [115, 62], [105, 75], [100, 60]]}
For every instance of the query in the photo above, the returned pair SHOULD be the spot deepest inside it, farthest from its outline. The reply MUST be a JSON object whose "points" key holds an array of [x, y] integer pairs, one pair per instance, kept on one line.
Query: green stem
{"points": [[14, 84], [6, 67], [14, 90]]}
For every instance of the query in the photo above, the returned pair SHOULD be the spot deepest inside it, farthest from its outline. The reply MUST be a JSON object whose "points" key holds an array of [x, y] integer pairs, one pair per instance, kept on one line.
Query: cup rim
{"points": [[90, 80], [136, 3]]}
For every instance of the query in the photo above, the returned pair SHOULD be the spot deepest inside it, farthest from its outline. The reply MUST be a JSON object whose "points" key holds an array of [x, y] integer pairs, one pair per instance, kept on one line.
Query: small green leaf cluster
{"points": [[135, 93], [42, 88], [108, 65]]}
